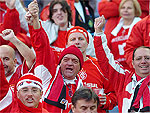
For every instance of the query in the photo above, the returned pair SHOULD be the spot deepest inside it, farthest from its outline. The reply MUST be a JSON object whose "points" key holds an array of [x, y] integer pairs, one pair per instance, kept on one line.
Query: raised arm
{"points": [[111, 68], [24, 50], [39, 38], [45, 59], [21, 10], [11, 18]]}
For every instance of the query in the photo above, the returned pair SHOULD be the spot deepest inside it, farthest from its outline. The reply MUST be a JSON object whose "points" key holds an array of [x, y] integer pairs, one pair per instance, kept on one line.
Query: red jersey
{"points": [[117, 44], [9, 103], [123, 81], [60, 42]]}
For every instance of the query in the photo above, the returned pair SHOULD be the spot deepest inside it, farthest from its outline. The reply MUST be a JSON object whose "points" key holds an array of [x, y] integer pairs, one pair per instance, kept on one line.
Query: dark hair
{"points": [[138, 48], [86, 94], [65, 7]]}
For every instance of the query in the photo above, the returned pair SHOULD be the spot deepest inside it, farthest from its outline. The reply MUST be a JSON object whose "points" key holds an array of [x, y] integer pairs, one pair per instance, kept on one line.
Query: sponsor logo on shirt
{"points": [[120, 38], [90, 85]]}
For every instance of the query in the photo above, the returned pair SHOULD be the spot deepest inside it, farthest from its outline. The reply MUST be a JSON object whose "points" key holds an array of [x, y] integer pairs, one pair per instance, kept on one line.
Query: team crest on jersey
{"points": [[83, 74]]}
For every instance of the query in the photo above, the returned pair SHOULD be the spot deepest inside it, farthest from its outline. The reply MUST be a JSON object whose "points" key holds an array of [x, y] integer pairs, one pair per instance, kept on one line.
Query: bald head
{"points": [[7, 55], [6, 48]]}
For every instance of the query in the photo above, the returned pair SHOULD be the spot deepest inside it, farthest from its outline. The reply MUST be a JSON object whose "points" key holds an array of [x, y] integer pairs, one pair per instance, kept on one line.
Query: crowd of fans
{"points": [[58, 56]]}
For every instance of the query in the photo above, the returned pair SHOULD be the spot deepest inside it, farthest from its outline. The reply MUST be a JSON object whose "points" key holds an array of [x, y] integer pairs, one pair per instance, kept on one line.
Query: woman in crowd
{"points": [[129, 15]]}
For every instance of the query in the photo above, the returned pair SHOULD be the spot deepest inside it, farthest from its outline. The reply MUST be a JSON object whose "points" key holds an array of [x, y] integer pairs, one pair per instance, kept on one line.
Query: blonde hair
{"points": [[136, 5]]}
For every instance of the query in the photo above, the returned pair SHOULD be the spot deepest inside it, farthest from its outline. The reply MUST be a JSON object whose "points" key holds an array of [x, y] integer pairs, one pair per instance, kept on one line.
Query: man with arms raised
{"points": [[131, 88]]}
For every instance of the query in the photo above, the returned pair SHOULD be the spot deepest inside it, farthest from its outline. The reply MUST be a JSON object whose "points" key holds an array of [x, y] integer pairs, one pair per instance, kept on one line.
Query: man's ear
{"points": [[18, 94], [73, 108], [15, 61], [133, 64], [41, 93]]}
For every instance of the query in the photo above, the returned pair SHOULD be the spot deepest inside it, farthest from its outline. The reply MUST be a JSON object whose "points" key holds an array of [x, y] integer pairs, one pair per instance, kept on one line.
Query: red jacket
{"points": [[110, 10], [140, 36], [123, 81], [45, 60], [2, 11], [9, 103], [56, 91], [92, 77]]}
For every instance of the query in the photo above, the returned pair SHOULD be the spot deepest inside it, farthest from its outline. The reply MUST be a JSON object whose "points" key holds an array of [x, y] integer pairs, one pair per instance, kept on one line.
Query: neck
{"points": [[63, 27], [128, 22], [10, 73], [84, 56]]}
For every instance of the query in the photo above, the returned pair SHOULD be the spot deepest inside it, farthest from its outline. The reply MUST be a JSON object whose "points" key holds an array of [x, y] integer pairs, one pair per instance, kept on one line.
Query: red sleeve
{"points": [[11, 20], [135, 40], [108, 9], [44, 53], [2, 41], [112, 70], [144, 7], [4, 85]]}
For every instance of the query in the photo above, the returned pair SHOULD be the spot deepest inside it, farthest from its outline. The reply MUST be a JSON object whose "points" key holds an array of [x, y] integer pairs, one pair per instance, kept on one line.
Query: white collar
{"points": [[120, 25], [66, 81]]}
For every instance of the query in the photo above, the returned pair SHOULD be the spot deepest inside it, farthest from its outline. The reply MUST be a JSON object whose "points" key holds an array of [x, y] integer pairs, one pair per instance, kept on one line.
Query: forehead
{"points": [[70, 56], [142, 52], [4, 51], [83, 102], [128, 3], [76, 35], [29, 87], [57, 6]]}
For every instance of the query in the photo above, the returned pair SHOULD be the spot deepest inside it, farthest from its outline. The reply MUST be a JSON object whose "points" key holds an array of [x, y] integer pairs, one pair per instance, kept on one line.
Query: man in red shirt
{"points": [[90, 73], [131, 87], [29, 93], [7, 55]]}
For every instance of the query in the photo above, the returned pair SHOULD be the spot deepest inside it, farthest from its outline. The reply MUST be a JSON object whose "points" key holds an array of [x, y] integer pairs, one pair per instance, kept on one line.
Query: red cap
{"points": [[72, 50], [77, 29]]}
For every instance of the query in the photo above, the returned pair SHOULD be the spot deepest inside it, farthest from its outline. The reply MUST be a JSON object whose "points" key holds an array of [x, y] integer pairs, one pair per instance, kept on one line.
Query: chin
{"points": [[30, 105]]}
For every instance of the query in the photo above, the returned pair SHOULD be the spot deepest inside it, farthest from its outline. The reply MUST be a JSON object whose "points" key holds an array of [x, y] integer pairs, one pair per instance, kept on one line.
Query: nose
{"points": [[59, 11], [77, 42], [88, 111], [70, 62], [30, 93], [143, 60]]}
